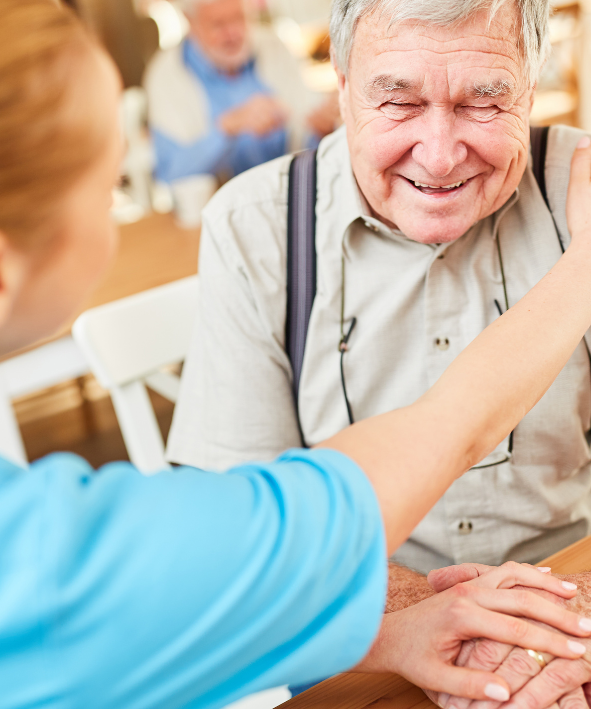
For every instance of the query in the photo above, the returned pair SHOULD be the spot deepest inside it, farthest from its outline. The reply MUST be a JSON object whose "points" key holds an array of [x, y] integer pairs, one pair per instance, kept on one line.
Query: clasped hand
{"points": [[434, 643], [562, 683]]}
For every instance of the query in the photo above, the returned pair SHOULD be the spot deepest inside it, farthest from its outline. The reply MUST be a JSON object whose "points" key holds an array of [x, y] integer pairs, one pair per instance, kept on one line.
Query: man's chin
{"points": [[435, 231]]}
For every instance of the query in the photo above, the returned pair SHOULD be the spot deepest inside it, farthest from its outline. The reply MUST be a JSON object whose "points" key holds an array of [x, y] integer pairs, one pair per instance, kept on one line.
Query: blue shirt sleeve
{"points": [[186, 589], [203, 157]]}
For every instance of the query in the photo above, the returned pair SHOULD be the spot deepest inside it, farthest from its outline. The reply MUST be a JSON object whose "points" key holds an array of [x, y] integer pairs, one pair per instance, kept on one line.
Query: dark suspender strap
{"points": [[539, 147], [301, 261]]}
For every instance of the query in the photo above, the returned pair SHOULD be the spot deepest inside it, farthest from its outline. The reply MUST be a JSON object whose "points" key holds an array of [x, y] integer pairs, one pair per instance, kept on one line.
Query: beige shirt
{"points": [[409, 299]]}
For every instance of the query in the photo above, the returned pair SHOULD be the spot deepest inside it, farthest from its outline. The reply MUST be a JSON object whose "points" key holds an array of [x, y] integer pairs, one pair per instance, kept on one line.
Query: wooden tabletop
{"points": [[152, 252], [358, 691]]}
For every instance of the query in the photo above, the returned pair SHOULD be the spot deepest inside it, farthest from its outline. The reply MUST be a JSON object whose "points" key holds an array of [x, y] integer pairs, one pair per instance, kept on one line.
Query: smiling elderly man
{"points": [[429, 221]]}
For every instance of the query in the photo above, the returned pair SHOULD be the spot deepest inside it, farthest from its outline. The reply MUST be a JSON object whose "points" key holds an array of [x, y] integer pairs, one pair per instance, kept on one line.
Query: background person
{"points": [[109, 594], [228, 98]]}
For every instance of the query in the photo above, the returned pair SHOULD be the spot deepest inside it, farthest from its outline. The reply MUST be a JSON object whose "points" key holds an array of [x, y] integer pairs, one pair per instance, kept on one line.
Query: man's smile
{"points": [[439, 191]]}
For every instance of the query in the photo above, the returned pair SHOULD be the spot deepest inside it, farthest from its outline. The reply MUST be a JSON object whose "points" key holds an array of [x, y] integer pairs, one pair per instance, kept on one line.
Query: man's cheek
{"points": [[380, 144]]}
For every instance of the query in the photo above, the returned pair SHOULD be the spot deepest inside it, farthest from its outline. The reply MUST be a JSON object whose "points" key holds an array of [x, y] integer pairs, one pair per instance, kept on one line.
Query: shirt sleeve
{"points": [[176, 160], [185, 589], [236, 400]]}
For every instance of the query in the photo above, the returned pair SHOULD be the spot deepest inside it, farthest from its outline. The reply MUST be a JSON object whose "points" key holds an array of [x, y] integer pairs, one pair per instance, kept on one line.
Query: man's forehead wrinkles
{"points": [[440, 53]]}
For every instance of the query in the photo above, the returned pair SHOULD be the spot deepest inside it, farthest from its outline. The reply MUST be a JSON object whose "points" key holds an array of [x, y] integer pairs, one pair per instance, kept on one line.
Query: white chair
{"points": [[127, 343], [40, 368]]}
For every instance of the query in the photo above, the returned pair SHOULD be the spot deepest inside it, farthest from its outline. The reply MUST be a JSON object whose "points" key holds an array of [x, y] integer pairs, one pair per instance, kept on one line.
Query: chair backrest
{"points": [[130, 338], [126, 343]]}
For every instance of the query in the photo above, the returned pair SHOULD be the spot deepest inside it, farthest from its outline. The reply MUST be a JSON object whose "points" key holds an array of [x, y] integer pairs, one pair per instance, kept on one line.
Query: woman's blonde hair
{"points": [[47, 140]]}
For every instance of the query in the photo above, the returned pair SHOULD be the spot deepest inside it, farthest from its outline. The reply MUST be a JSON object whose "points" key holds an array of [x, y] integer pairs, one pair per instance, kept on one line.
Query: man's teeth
{"points": [[444, 187]]}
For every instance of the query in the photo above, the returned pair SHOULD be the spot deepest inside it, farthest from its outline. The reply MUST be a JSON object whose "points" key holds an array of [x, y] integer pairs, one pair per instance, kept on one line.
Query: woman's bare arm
{"points": [[413, 455]]}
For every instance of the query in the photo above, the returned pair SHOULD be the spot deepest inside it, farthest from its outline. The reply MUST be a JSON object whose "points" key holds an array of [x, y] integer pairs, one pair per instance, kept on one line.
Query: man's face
{"points": [[220, 28], [437, 106]]}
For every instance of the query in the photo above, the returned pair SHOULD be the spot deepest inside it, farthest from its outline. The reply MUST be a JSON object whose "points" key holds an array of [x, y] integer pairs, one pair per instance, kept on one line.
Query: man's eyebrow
{"points": [[493, 89], [385, 84]]}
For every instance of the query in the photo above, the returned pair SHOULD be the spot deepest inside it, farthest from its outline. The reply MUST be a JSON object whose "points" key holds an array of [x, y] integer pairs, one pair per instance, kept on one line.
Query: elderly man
{"points": [[226, 99], [429, 221]]}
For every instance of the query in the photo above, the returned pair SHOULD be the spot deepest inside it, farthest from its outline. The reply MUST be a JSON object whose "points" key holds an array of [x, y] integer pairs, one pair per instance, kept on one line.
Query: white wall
{"points": [[301, 10]]}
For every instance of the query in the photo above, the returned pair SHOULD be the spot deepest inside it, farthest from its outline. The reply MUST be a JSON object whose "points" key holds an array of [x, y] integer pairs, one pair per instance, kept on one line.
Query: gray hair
{"points": [[532, 35]]}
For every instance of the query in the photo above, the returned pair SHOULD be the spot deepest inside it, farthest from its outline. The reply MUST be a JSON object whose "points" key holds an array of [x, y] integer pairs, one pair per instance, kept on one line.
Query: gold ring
{"points": [[538, 657]]}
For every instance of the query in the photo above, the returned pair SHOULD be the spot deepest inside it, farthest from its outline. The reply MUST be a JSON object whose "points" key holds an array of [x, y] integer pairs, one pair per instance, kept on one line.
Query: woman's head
{"points": [[59, 153]]}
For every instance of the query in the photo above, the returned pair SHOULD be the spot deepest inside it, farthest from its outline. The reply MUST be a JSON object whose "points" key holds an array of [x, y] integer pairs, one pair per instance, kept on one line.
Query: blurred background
{"points": [[134, 30], [57, 404]]}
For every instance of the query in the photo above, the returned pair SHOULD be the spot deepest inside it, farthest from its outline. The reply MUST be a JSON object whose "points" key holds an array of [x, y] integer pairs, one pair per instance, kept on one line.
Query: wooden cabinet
{"points": [[564, 89]]}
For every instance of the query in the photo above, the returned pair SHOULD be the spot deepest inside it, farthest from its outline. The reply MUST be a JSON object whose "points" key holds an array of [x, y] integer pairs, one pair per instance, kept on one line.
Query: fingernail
{"points": [[585, 142], [567, 584], [585, 624], [544, 569], [496, 692], [577, 648]]}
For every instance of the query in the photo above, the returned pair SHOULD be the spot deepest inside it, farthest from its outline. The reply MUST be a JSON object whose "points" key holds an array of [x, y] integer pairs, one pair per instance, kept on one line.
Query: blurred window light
{"points": [[172, 25], [551, 105], [290, 33], [320, 77]]}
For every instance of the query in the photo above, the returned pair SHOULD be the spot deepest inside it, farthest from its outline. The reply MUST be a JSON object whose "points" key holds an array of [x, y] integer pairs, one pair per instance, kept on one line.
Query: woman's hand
{"points": [[423, 642], [578, 204], [560, 685]]}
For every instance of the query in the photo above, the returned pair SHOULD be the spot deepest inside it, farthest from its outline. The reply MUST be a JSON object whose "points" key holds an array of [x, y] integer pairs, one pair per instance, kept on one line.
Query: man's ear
{"points": [[532, 98], [13, 269], [341, 83]]}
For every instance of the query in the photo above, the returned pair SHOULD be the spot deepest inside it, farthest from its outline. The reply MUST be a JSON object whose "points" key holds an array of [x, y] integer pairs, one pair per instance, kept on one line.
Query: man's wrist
{"points": [[405, 588], [581, 603]]}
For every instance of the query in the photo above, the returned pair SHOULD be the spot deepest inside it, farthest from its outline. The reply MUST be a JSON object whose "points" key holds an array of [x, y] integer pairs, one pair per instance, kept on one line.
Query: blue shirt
{"points": [[217, 152], [186, 589]]}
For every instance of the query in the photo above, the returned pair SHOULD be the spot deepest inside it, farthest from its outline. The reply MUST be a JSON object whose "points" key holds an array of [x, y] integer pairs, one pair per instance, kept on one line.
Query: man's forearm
{"points": [[406, 588], [581, 603]]}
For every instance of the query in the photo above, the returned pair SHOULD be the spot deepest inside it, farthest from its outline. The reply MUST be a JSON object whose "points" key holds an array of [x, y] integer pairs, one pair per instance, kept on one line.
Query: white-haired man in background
{"points": [[429, 221], [227, 98]]}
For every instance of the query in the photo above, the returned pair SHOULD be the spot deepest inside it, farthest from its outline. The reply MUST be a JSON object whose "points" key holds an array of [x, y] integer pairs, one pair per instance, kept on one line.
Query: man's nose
{"points": [[439, 148]]}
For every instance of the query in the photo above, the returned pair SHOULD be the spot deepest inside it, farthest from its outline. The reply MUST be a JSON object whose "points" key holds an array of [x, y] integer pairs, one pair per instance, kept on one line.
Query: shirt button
{"points": [[442, 343], [373, 227], [465, 526], [441, 256]]}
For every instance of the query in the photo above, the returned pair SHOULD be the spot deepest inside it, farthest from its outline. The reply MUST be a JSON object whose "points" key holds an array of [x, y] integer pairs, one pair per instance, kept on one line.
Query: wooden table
{"points": [[152, 252], [358, 691]]}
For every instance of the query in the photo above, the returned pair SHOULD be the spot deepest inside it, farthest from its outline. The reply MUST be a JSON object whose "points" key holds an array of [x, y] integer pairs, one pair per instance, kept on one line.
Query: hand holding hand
{"points": [[423, 642], [260, 115], [559, 685]]}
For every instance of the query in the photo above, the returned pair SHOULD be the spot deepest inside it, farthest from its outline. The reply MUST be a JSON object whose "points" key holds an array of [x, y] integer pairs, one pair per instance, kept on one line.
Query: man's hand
{"points": [[423, 642], [260, 115], [559, 684]]}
